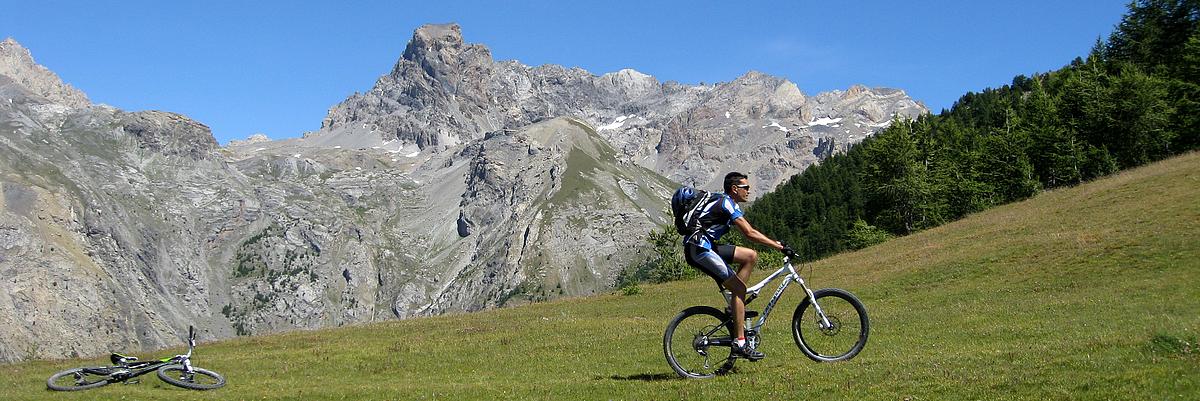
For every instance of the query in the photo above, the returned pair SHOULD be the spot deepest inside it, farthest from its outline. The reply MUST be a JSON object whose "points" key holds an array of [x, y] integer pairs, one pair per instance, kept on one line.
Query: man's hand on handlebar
{"points": [[788, 251]]}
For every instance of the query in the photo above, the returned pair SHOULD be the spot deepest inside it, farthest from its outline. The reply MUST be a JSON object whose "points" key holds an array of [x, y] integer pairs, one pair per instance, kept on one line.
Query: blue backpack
{"points": [[687, 204]]}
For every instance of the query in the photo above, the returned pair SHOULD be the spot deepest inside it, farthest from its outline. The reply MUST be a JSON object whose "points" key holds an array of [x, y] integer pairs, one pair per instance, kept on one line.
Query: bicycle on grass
{"points": [[829, 325], [176, 370]]}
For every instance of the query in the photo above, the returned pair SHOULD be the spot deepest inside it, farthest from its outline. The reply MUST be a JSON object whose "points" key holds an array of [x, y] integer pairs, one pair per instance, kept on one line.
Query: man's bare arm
{"points": [[754, 235]]}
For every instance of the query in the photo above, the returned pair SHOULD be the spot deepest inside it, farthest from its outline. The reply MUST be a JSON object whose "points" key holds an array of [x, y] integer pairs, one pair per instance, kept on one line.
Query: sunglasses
{"points": [[745, 187]]}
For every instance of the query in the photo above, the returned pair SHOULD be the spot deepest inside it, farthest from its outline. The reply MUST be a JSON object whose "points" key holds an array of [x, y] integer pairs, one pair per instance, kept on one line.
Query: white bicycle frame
{"points": [[792, 276]]}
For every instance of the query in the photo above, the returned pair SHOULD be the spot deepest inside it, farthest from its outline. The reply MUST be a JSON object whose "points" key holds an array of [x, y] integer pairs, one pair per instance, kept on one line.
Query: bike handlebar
{"points": [[191, 338]]}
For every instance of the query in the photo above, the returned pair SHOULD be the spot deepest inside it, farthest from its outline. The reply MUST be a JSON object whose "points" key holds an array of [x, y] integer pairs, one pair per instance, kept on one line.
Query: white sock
{"points": [[740, 342]]}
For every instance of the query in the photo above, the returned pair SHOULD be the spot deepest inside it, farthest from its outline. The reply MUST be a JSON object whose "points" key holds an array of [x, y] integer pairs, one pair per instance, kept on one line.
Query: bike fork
{"points": [[824, 323]]}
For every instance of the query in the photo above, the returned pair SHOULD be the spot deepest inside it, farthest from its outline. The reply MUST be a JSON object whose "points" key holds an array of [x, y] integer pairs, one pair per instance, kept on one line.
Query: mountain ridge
{"points": [[17, 61], [444, 91]]}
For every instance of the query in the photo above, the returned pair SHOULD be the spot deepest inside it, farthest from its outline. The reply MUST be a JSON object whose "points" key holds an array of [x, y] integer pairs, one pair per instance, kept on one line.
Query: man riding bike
{"points": [[702, 252]]}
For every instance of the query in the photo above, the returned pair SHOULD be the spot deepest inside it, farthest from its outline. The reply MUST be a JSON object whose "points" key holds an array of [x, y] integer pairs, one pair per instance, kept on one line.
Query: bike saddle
{"points": [[118, 359]]}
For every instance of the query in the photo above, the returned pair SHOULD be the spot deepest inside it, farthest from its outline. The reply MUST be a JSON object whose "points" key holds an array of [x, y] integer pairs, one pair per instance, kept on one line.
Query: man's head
{"points": [[737, 186]]}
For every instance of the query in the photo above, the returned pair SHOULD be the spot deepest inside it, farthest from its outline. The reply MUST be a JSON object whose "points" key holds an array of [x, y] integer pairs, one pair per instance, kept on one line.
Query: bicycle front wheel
{"points": [[199, 379], [697, 343], [79, 379], [842, 338]]}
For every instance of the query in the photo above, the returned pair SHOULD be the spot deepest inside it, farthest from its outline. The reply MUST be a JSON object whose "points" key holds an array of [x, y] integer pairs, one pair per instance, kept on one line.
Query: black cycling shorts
{"points": [[714, 263]]}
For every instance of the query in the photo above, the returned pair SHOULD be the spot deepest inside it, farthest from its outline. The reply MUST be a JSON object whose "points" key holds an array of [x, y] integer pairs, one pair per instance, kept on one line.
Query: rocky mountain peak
{"points": [[17, 63], [253, 139], [783, 92], [631, 83], [437, 94], [433, 37], [787, 97], [439, 50], [857, 90], [756, 78], [169, 133]]}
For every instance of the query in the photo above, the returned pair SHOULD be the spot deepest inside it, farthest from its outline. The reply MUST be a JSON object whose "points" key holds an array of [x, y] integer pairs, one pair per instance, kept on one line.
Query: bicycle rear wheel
{"points": [[79, 379], [697, 343], [847, 333], [199, 379]]}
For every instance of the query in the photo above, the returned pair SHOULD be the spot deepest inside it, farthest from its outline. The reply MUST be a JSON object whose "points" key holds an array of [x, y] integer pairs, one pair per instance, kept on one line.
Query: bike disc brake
{"points": [[835, 326]]}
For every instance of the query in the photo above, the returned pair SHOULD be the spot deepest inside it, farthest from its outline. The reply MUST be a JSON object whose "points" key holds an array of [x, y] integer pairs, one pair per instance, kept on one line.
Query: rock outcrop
{"points": [[17, 63]]}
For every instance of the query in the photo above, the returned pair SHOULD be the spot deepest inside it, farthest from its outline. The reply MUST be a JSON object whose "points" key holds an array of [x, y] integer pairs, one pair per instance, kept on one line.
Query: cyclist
{"points": [[702, 252]]}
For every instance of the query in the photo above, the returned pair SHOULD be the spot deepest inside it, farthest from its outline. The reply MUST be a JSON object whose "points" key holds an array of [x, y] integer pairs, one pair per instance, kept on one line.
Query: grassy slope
{"points": [[1058, 297]]}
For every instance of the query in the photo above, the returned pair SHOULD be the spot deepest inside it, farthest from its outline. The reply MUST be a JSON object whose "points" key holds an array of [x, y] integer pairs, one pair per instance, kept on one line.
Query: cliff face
{"points": [[457, 183]]}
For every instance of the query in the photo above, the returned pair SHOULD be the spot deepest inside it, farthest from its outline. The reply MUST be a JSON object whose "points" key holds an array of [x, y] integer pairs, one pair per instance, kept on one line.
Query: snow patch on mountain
{"points": [[776, 125], [616, 124], [824, 121]]}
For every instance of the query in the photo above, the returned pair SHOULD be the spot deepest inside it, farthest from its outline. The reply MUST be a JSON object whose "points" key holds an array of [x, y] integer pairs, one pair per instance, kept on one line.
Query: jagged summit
{"points": [[17, 63], [631, 83], [251, 140], [439, 50], [432, 38]]}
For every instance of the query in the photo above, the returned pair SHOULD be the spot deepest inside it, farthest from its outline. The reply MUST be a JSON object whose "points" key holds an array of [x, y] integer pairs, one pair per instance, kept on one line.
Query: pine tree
{"points": [[1055, 152], [1154, 34], [896, 180]]}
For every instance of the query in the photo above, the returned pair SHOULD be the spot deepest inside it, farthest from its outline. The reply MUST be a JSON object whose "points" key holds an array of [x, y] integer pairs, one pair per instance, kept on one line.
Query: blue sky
{"points": [[275, 67]]}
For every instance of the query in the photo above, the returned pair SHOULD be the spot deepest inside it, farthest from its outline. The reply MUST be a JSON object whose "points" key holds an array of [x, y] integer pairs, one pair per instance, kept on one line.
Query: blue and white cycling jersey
{"points": [[715, 220]]}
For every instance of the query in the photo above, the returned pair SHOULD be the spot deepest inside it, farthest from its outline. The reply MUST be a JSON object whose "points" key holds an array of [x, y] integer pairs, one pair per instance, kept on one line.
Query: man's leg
{"points": [[737, 304], [736, 284], [746, 258]]}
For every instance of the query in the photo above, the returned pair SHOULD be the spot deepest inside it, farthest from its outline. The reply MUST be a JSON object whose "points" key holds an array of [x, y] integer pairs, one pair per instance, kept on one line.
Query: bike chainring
{"points": [[752, 338]]}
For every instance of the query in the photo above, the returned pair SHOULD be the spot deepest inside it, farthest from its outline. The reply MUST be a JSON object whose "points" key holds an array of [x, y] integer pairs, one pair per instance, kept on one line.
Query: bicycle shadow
{"points": [[645, 377]]}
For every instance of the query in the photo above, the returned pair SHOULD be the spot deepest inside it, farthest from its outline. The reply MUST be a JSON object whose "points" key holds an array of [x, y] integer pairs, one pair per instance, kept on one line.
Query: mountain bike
{"points": [[829, 325], [176, 370]]}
